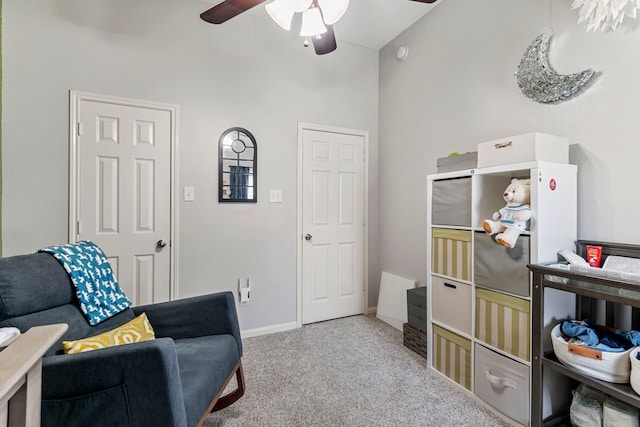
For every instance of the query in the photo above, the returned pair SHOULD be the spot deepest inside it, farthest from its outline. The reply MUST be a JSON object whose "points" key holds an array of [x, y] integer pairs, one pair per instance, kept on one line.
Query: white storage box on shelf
{"points": [[529, 147], [603, 365], [635, 370]]}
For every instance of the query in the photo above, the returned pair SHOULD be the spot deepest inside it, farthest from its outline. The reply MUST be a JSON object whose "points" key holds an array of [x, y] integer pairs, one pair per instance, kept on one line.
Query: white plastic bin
{"points": [[529, 147]]}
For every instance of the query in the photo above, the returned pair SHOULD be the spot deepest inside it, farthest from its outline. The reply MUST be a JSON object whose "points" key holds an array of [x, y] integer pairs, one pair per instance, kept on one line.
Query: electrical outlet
{"points": [[245, 295], [244, 292]]}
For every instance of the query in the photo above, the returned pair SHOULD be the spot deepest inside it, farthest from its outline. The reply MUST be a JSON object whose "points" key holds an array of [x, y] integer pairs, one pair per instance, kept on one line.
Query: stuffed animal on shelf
{"points": [[510, 221]]}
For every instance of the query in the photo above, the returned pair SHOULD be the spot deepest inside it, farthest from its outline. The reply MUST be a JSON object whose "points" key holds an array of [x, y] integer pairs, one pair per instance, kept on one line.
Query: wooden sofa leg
{"points": [[230, 398], [222, 402]]}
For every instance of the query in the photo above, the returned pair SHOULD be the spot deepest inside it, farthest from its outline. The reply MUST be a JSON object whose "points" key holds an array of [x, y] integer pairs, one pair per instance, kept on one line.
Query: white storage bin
{"points": [[503, 383], [523, 148], [448, 294], [603, 365], [635, 370]]}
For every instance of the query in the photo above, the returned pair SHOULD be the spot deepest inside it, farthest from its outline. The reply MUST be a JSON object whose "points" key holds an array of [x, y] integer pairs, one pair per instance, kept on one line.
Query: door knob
{"points": [[161, 244], [307, 237]]}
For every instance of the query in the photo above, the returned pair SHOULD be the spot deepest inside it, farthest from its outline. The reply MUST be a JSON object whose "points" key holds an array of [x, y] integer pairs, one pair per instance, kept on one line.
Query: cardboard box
{"points": [[525, 148]]}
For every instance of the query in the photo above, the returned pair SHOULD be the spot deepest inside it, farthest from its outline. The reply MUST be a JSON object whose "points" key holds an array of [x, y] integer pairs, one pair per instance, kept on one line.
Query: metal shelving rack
{"points": [[593, 287]]}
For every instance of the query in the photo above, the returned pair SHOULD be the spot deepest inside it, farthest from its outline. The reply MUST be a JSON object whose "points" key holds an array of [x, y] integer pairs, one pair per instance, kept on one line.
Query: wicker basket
{"points": [[414, 339], [603, 365], [635, 370]]}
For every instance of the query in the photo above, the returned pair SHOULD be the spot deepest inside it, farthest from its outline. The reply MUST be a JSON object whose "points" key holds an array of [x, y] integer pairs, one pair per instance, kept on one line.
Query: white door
{"points": [[124, 192], [333, 224]]}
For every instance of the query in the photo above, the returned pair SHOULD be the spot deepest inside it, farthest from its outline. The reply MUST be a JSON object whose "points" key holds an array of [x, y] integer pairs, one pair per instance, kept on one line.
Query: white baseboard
{"points": [[268, 330]]}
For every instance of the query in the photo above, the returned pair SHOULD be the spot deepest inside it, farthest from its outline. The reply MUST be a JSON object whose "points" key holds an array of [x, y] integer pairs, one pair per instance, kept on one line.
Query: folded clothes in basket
{"points": [[586, 333]]}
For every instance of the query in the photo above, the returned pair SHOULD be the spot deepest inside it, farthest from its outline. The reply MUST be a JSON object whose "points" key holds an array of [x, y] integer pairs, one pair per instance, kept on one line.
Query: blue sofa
{"points": [[175, 380]]}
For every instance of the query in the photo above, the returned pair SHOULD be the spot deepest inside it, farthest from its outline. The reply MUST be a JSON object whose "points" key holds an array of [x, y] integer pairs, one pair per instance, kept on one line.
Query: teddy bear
{"points": [[510, 221]]}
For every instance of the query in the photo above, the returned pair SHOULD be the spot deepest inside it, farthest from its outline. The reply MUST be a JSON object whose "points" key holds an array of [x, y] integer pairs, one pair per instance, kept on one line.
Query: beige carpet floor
{"points": [[353, 371]]}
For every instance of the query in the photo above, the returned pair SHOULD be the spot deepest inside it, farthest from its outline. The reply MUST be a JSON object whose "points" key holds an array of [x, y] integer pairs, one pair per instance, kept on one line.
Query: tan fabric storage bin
{"points": [[451, 253], [503, 383], [504, 322], [452, 356], [451, 202], [451, 303]]}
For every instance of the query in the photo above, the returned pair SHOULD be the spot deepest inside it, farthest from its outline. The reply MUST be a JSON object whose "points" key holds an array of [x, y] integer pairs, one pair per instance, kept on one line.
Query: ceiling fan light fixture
{"points": [[312, 23], [281, 12], [333, 10]]}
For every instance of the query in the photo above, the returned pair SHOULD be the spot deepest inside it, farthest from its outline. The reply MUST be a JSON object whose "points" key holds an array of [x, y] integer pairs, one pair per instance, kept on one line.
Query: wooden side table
{"points": [[21, 375]]}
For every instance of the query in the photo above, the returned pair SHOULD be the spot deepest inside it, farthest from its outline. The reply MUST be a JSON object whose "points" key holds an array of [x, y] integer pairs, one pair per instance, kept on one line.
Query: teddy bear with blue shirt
{"points": [[510, 221]]}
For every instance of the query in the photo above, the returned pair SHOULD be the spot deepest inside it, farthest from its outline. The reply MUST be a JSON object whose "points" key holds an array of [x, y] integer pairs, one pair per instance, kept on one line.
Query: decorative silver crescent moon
{"points": [[538, 81]]}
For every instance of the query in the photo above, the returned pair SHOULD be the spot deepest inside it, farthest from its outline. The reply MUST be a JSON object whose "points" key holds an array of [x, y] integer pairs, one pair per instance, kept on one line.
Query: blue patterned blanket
{"points": [[97, 289]]}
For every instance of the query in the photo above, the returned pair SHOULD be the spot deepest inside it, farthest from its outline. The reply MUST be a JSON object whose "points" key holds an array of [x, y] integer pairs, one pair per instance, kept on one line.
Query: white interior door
{"points": [[124, 192], [333, 224]]}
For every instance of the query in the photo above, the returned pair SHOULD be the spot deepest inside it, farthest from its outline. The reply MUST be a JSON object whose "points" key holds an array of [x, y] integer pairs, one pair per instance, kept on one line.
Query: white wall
{"points": [[247, 72], [457, 88]]}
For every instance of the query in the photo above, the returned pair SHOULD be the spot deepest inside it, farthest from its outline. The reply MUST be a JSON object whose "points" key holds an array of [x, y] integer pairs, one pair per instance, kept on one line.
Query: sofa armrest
{"points": [[147, 372], [212, 314]]}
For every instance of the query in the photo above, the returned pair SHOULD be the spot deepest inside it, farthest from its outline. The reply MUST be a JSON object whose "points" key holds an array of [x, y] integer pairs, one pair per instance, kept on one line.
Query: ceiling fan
{"points": [[318, 17]]}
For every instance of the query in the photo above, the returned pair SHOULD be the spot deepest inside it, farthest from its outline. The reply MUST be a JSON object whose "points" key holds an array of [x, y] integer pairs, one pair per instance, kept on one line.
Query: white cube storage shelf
{"points": [[479, 291]]}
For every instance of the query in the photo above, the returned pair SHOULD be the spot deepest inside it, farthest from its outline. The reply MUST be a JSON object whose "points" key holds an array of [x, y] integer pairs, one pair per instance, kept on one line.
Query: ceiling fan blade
{"points": [[228, 9], [425, 1], [326, 43]]}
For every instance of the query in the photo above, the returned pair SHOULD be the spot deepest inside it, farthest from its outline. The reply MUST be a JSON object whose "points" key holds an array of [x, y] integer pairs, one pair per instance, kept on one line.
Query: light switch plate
{"points": [[189, 194], [275, 196]]}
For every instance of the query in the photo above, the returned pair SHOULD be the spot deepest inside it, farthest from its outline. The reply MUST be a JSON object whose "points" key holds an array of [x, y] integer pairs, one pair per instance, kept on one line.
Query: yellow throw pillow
{"points": [[136, 330]]}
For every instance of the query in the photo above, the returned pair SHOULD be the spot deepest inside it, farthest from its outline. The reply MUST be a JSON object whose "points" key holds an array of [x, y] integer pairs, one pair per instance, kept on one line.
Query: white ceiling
{"points": [[368, 23], [374, 23]]}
